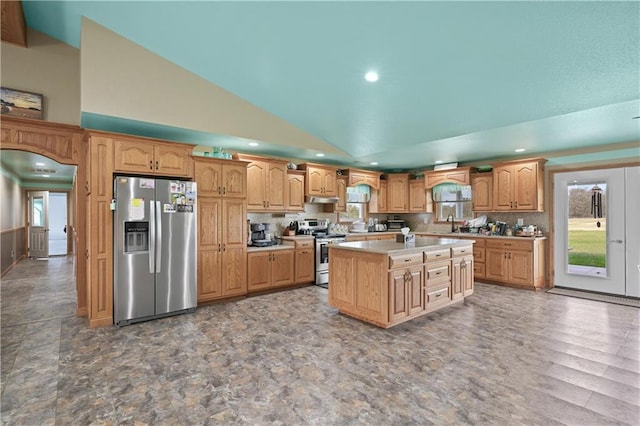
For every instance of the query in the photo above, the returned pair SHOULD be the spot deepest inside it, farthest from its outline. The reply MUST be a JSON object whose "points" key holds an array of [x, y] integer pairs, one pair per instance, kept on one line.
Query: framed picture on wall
{"points": [[19, 103]]}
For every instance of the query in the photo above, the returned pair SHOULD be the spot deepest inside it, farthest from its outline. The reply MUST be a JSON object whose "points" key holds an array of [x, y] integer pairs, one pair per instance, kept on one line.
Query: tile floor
{"points": [[505, 356]]}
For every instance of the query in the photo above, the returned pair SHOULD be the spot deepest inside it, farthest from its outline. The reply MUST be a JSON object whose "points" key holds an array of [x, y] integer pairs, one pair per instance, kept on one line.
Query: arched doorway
{"points": [[63, 144]]}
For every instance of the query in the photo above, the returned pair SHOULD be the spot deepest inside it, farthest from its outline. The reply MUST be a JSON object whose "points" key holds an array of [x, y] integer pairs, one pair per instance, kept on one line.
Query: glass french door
{"points": [[39, 224], [589, 238]]}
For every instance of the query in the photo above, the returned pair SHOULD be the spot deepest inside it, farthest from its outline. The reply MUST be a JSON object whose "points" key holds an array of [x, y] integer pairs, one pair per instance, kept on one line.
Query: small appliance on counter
{"points": [[260, 235], [395, 224]]}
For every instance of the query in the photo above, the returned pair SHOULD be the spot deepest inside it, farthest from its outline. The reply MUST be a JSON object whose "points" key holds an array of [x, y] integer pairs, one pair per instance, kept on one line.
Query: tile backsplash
{"points": [[415, 221]]}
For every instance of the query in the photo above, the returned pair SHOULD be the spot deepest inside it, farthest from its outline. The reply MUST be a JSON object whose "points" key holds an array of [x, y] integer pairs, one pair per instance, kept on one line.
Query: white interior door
{"points": [[589, 252], [39, 224]]}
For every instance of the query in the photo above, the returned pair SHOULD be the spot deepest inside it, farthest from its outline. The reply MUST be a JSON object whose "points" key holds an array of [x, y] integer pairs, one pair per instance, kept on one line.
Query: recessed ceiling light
{"points": [[40, 164], [45, 175], [374, 163], [371, 76], [253, 143], [319, 154], [520, 150], [438, 161]]}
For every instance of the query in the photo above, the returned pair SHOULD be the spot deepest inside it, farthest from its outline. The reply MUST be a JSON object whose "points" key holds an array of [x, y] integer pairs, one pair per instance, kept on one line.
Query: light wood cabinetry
{"points": [[99, 237], [417, 282], [266, 183], [461, 176], [295, 190], [221, 178], [463, 275], [517, 263], [222, 228], [147, 156], [341, 185], [362, 177], [378, 201], [305, 271], [321, 180], [406, 292], [397, 192], [269, 269], [418, 202], [482, 192], [373, 236], [519, 186]]}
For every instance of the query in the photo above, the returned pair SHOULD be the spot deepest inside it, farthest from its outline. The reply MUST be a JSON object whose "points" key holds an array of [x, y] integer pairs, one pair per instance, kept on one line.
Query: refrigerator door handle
{"points": [[159, 237], [152, 236]]}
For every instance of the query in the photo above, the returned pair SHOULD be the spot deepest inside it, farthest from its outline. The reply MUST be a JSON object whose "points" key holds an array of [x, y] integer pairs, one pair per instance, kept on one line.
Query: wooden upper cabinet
{"points": [[341, 205], [461, 176], [221, 178], [267, 183], [295, 190], [519, 186], [321, 180], [482, 192], [378, 201], [417, 196], [362, 177], [397, 192], [148, 157]]}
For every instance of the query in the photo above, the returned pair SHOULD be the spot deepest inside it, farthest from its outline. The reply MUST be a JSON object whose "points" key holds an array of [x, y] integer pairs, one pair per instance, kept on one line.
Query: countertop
{"points": [[285, 246], [391, 247], [477, 236]]}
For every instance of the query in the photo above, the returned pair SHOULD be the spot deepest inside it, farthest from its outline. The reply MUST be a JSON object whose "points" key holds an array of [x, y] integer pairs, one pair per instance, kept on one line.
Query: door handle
{"points": [[152, 236], [159, 237], [616, 241]]}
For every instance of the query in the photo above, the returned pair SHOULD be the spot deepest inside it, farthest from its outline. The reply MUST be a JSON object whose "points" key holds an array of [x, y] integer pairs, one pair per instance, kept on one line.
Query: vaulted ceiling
{"points": [[458, 81]]}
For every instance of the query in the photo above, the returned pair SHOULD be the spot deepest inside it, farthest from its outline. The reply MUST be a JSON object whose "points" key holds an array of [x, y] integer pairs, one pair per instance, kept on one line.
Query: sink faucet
{"points": [[453, 222]]}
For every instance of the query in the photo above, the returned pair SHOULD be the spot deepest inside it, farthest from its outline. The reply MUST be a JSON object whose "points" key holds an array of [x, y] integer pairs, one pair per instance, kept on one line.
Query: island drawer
{"points": [[509, 244], [398, 261], [438, 272], [437, 254], [437, 296], [461, 251], [306, 243]]}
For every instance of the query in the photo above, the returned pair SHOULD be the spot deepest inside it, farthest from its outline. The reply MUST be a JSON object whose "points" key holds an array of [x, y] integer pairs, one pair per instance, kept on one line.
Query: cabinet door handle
{"points": [[516, 204], [509, 255], [224, 190], [150, 165], [157, 167]]}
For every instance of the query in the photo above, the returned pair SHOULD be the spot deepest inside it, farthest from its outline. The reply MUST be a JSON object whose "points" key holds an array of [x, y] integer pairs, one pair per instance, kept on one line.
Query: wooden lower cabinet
{"points": [[462, 280], [269, 269], [518, 263], [221, 248], [415, 283], [305, 267], [406, 295]]}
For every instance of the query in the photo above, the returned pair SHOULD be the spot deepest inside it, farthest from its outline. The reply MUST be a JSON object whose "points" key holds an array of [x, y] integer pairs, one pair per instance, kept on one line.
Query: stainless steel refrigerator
{"points": [[154, 250]]}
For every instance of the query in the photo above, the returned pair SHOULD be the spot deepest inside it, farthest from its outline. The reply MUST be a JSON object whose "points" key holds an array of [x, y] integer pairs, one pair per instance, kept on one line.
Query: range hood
{"points": [[321, 200]]}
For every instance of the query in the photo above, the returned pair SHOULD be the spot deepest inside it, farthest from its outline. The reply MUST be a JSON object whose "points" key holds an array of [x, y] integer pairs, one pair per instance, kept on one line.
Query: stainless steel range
{"points": [[320, 229]]}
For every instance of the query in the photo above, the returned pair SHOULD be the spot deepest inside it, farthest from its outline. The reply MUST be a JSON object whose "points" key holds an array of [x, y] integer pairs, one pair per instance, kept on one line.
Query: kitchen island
{"points": [[386, 283]]}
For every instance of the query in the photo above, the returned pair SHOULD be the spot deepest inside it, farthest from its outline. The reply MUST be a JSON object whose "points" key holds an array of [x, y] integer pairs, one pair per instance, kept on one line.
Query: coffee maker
{"points": [[260, 235]]}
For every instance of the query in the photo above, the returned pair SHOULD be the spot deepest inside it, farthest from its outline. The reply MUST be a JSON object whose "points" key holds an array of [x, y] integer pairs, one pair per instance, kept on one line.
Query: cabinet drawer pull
{"points": [[407, 260], [438, 295], [438, 255]]}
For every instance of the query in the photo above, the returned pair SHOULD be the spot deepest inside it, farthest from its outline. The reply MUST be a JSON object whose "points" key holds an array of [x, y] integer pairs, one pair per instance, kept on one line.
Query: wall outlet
{"points": [[425, 220], [13, 254], [520, 221]]}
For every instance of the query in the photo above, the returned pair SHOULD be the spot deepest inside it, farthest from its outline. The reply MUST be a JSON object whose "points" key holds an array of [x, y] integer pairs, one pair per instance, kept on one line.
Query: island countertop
{"points": [[391, 247]]}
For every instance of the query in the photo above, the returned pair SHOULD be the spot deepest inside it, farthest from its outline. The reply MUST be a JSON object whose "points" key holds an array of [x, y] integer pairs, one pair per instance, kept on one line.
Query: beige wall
{"points": [[12, 206], [122, 79], [47, 66]]}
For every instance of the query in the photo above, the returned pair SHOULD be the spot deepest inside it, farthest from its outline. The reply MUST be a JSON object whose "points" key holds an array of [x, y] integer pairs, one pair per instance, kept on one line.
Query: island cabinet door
{"points": [[406, 296]]}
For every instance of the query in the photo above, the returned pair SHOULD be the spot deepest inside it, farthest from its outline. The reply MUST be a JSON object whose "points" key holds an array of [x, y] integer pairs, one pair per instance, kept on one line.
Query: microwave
{"points": [[395, 224]]}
